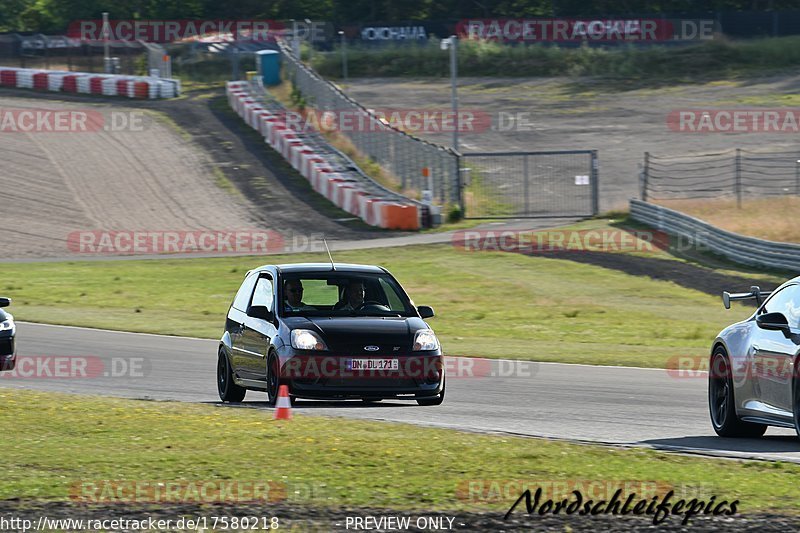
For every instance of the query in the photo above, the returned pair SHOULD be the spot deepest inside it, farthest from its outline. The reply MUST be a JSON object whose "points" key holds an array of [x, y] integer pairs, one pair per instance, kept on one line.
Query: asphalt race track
{"points": [[614, 405]]}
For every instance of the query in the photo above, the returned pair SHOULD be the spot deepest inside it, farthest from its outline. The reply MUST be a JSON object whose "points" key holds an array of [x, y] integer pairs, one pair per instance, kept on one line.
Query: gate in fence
{"points": [[529, 184]]}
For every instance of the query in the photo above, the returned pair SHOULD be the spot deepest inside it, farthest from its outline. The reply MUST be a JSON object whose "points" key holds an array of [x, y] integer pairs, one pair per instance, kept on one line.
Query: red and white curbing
{"points": [[339, 188], [86, 83]]}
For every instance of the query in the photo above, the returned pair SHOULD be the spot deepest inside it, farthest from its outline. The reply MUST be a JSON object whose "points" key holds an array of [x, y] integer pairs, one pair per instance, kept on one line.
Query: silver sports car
{"points": [[753, 375]]}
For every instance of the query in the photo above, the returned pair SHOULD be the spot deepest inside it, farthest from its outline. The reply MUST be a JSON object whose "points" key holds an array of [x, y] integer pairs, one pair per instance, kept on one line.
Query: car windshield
{"points": [[343, 294]]}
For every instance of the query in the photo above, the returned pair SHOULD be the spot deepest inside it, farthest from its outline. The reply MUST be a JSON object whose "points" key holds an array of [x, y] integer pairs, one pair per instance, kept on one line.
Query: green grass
{"points": [[716, 58], [488, 304], [67, 440]]}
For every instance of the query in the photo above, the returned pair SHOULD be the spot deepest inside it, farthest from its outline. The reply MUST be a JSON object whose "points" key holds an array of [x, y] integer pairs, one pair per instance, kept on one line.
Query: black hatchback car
{"points": [[8, 332], [328, 331]]}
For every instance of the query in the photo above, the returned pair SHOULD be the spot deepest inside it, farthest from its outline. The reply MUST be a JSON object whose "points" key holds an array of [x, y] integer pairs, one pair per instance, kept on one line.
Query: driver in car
{"points": [[293, 291], [354, 297]]}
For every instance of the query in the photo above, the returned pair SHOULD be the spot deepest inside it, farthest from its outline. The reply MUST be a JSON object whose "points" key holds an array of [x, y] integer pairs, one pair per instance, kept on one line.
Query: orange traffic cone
{"points": [[283, 407]]}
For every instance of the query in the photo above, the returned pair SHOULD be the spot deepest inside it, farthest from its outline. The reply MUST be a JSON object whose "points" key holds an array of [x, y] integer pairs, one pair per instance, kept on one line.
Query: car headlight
{"points": [[304, 339], [6, 325], [425, 340]]}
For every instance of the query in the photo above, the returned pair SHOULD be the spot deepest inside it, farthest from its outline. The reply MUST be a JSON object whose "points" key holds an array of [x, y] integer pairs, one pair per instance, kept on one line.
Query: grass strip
{"points": [[53, 441], [488, 304]]}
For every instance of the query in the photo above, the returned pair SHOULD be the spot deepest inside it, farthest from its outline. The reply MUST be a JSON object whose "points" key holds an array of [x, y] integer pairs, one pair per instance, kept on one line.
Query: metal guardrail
{"points": [[738, 248]]}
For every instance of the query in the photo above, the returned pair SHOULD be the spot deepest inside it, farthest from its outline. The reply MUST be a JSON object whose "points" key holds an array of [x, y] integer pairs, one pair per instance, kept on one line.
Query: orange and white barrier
{"points": [[86, 83], [342, 188]]}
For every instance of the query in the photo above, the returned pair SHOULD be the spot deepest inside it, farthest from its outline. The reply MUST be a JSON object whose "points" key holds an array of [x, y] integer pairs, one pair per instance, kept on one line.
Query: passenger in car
{"points": [[354, 297]]}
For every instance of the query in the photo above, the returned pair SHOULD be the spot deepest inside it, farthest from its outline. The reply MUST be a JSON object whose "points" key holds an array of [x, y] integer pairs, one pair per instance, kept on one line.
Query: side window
{"points": [[243, 296], [787, 301], [263, 294], [391, 297]]}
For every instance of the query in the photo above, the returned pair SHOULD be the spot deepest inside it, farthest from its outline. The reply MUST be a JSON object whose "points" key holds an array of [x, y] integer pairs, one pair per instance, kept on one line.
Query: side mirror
{"points": [[773, 321], [5, 302], [425, 311], [260, 311]]}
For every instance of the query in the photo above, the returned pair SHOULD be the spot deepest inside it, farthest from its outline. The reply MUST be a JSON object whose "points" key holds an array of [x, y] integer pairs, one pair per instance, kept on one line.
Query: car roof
{"points": [[295, 268]]}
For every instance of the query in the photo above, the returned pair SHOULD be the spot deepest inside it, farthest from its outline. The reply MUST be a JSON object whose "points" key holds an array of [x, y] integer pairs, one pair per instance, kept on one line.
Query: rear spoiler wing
{"points": [[754, 294]]}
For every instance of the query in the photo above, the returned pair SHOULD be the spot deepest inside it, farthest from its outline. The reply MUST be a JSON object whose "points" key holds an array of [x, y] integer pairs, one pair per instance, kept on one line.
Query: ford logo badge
{"points": [[371, 348]]}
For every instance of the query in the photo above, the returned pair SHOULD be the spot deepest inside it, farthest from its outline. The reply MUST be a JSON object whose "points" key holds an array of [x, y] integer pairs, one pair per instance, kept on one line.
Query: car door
{"points": [[259, 332], [774, 351], [235, 323]]}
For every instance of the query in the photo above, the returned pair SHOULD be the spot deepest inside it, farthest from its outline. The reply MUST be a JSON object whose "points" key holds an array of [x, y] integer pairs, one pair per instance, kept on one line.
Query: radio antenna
{"points": [[333, 267]]}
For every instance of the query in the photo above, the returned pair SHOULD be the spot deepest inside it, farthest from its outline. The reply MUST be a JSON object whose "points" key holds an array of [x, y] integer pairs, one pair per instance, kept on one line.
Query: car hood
{"points": [[353, 334]]}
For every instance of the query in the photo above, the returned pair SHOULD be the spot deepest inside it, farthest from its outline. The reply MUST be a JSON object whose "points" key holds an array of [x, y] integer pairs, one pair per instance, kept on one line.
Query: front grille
{"points": [[370, 382], [358, 351]]}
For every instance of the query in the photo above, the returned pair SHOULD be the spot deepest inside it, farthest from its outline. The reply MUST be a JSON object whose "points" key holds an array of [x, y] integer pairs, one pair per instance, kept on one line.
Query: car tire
{"points": [[796, 397], [8, 364], [273, 380], [721, 402], [436, 400], [228, 390]]}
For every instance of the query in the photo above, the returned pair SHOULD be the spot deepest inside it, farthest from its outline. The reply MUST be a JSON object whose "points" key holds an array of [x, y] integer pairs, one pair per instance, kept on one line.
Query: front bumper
{"points": [[329, 377]]}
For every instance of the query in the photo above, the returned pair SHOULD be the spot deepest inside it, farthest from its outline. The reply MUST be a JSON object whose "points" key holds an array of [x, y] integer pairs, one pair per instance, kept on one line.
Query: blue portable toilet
{"points": [[268, 64]]}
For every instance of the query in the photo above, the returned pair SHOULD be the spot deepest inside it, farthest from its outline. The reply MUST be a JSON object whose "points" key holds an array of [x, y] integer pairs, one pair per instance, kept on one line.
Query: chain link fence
{"points": [[415, 164], [58, 52], [733, 173], [530, 184]]}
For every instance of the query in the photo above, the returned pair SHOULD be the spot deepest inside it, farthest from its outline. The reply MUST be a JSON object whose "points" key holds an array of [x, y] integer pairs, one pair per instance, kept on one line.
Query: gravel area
{"points": [[621, 121], [133, 171]]}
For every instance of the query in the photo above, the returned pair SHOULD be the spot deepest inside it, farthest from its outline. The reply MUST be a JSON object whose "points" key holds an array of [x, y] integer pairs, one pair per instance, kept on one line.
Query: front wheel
{"points": [[273, 380], [796, 397], [228, 390], [721, 402]]}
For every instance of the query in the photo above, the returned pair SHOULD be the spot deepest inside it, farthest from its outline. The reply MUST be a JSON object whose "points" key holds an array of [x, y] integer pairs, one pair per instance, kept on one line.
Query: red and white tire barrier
{"points": [[341, 188], [85, 83]]}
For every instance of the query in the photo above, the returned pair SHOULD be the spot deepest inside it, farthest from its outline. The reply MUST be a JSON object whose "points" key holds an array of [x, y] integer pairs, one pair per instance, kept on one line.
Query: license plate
{"points": [[373, 364]]}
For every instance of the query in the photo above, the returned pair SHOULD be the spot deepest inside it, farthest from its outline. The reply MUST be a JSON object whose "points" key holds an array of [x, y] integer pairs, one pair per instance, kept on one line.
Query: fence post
{"points": [[645, 175], [525, 184], [738, 181], [595, 185], [459, 185]]}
